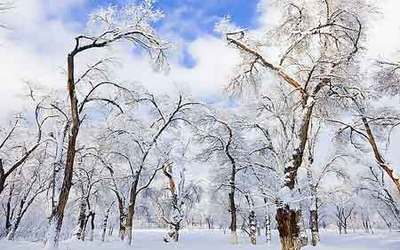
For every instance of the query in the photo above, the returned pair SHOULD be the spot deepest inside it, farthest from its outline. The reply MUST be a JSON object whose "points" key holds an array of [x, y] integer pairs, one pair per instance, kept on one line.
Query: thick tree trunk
{"points": [[288, 227]]}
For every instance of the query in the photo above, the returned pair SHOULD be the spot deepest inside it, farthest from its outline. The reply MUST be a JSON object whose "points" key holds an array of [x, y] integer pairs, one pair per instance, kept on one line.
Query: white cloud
{"points": [[35, 49]]}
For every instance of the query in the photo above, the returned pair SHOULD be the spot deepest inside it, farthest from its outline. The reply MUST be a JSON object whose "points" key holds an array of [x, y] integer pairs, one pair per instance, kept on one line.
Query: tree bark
{"points": [[378, 156], [131, 210], [81, 220], [232, 209], [253, 227], [288, 221], [314, 227], [58, 216], [105, 221], [268, 228]]}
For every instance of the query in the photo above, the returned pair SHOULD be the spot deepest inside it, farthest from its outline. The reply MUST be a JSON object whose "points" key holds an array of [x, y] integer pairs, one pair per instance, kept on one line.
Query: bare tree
{"points": [[338, 31], [8, 166], [131, 24]]}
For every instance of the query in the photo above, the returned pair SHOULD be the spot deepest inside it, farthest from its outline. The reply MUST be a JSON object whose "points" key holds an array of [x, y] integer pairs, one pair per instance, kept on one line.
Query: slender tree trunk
{"points": [[81, 220], [17, 221], [314, 227], [268, 228], [53, 235], [9, 211], [2, 176], [58, 165], [122, 217], [105, 221], [92, 225], [303, 237], [253, 227], [131, 210], [232, 209], [175, 215], [378, 156]]}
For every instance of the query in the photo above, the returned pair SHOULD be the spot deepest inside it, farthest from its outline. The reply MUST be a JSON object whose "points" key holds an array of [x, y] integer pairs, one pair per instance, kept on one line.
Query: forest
{"points": [[119, 132]]}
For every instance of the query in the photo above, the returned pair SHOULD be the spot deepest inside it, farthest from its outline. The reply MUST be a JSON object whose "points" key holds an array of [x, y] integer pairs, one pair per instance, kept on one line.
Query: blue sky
{"points": [[200, 14], [188, 19]]}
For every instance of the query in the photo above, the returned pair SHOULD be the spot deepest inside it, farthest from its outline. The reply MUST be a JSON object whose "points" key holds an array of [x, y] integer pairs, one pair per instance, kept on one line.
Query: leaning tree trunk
{"points": [[57, 217], [389, 170]]}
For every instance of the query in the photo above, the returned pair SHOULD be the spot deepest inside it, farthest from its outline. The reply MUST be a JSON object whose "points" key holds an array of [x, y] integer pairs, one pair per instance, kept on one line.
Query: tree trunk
{"points": [[17, 221], [105, 221], [378, 156], [268, 228], [303, 237], [131, 210], [232, 209], [314, 227], [56, 220], [81, 220], [253, 227], [91, 230], [122, 217], [288, 227], [9, 211]]}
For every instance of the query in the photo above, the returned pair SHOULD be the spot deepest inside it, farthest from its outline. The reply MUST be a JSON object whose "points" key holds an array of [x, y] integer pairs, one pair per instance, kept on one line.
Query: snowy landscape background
{"points": [[199, 124]]}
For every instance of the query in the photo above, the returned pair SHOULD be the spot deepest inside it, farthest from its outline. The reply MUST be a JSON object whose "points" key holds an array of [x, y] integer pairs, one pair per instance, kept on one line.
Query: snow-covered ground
{"points": [[217, 240]]}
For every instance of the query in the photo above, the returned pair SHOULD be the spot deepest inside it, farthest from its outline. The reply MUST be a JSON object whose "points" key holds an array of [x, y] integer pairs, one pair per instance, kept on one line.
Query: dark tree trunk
{"points": [[9, 212], [105, 222], [232, 209], [58, 216], [81, 220], [253, 227], [131, 210], [92, 225], [314, 227], [288, 227]]}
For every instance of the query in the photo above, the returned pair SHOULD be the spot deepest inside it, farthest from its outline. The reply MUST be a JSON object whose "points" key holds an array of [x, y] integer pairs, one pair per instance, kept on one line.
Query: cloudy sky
{"points": [[41, 32]]}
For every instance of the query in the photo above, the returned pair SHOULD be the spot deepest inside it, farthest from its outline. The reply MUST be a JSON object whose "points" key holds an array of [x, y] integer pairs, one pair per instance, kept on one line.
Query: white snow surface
{"points": [[217, 240]]}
